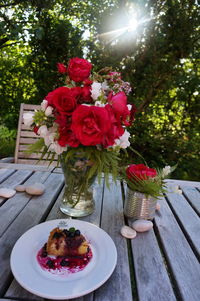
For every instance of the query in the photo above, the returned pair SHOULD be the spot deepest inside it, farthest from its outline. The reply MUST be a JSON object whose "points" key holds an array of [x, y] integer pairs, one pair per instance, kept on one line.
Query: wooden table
{"points": [[159, 265]]}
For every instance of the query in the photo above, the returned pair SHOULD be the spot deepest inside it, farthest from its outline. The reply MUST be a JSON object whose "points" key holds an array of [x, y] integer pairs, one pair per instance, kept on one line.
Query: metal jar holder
{"points": [[139, 206]]}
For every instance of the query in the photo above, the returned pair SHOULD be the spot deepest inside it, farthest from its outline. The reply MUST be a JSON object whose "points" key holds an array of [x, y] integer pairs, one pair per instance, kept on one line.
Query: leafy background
{"points": [[160, 59]]}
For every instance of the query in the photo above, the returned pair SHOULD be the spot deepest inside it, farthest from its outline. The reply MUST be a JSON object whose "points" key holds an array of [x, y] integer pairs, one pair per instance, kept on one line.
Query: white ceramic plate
{"points": [[33, 278]]}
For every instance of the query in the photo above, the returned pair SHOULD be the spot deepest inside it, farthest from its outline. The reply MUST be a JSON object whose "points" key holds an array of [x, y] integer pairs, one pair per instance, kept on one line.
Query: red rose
{"points": [[67, 137], [86, 94], [61, 120], [88, 82], [140, 171], [79, 69], [63, 100], [77, 93], [119, 105], [61, 68], [90, 124]]}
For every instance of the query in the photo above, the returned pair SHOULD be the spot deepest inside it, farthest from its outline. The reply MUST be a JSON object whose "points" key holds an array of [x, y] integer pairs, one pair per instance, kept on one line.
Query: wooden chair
{"points": [[25, 137]]}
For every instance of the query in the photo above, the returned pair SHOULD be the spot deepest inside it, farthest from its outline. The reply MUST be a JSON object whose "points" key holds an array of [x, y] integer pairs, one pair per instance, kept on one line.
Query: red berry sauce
{"points": [[63, 265]]}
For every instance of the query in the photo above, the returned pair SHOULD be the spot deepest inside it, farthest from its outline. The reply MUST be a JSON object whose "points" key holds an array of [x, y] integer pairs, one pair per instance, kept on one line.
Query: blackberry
{"points": [[50, 264]]}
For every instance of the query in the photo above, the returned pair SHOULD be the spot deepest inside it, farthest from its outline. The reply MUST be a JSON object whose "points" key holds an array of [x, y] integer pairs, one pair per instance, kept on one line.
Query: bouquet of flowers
{"points": [[87, 117], [147, 180]]}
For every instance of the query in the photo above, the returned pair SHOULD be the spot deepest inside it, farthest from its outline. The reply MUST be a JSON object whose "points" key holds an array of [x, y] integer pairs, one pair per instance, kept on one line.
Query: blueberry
{"points": [[50, 264], [77, 233], [64, 263]]}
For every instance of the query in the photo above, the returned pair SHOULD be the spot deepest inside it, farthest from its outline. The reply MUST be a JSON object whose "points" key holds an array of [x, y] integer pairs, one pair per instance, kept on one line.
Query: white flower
{"points": [[123, 140], [129, 107], [96, 90], [55, 147], [99, 104], [28, 118], [48, 111], [49, 138], [166, 170], [105, 86], [44, 105], [43, 131]]}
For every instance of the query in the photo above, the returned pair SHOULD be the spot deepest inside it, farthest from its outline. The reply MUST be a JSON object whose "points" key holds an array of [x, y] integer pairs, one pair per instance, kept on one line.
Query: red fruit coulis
{"points": [[63, 265]]}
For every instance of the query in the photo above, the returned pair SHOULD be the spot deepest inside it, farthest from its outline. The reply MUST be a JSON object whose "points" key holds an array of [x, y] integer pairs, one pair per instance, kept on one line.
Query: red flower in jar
{"points": [[140, 172]]}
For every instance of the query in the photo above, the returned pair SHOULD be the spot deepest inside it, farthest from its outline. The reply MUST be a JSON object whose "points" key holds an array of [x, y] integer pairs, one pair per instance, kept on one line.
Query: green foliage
{"points": [[153, 187], [102, 161], [7, 141]]}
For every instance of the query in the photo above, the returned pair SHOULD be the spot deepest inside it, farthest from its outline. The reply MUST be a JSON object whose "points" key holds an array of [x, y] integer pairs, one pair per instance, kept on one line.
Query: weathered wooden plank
{"points": [[180, 257], [193, 196], [15, 205], [29, 134], [14, 180], [33, 213], [150, 271], [187, 218], [6, 299], [58, 170], [23, 147], [5, 173], [16, 291], [27, 140], [55, 212], [183, 183], [30, 107], [34, 167], [25, 155], [36, 161], [118, 287]]}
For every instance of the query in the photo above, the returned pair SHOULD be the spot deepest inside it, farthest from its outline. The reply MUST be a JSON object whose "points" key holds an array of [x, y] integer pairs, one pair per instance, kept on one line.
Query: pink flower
{"points": [[119, 106]]}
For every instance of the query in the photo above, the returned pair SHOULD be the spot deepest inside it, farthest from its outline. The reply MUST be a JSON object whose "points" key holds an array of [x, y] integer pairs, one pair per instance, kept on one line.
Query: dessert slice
{"points": [[66, 243]]}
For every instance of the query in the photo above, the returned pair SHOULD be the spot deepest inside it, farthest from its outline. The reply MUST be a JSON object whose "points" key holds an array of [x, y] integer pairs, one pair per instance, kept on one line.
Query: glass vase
{"points": [[78, 199], [139, 206]]}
